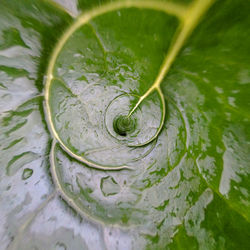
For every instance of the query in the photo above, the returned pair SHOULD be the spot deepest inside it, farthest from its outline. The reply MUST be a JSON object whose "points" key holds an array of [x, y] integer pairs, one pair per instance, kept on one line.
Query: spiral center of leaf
{"points": [[91, 75], [124, 125]]}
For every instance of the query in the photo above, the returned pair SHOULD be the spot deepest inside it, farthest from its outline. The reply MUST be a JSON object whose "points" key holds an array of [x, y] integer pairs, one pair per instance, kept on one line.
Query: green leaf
{"points": [[124, 124]]}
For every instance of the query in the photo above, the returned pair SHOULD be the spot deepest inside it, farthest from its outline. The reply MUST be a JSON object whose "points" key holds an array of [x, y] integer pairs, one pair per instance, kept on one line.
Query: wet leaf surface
{"points": [[96, 153]]}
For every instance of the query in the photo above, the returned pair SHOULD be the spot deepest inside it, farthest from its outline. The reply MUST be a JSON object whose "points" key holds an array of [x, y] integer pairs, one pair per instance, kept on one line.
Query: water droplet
{"points": [[27, 172], [109, 186]]}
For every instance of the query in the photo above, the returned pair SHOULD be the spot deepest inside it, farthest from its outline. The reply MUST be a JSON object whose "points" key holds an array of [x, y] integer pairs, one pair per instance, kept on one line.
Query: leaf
{"points": [[148, 113]]}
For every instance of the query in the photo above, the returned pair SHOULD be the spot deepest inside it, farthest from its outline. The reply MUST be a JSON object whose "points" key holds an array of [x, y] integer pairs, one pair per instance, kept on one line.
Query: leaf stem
{"points": [[188, 22]]}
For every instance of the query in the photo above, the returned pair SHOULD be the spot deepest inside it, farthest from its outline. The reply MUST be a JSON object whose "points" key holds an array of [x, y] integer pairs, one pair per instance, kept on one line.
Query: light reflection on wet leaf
{"points": [[188, 188]]}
